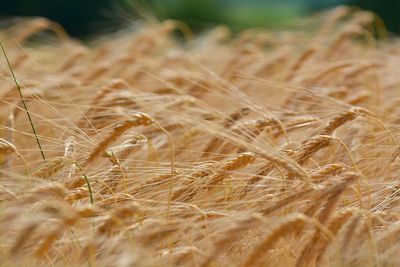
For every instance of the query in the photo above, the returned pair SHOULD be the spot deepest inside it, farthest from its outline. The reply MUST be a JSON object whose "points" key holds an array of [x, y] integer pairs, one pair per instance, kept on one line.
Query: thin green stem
{"points": [[87, 182], [23, 102]]}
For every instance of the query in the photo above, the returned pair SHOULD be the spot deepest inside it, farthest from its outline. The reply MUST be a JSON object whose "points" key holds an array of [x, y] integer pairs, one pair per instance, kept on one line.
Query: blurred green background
{"points": [[83, 17]]}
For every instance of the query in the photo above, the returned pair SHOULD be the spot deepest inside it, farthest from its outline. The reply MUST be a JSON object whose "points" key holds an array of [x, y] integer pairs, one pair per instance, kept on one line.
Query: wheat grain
{"points": [[310, 252], [137, 120], [327, 170], [311, 146], [288, 226], [230, 236], [6, 148], [341, 119], [305, 56], [50, 168]]}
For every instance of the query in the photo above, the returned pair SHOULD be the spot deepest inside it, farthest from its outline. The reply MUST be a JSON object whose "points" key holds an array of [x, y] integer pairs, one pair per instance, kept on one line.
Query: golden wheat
{"points": [[215, 149]]}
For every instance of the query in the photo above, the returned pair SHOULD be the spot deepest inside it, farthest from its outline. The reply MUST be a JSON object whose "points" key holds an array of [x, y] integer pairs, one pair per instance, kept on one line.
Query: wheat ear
{"points": [[7, 148], [310, 252], [120, 129], [286, 227]]}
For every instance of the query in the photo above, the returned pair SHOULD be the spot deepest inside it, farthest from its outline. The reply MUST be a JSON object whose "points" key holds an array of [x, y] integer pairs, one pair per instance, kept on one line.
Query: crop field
{"points": [[156, 146]]}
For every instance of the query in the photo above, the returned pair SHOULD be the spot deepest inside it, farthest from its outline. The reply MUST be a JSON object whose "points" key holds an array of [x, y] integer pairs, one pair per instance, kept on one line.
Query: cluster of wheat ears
{"points": [[155, 147]]}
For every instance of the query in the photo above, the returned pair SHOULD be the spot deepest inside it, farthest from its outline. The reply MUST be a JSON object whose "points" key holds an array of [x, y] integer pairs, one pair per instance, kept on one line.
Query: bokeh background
{"points": [[83, 17]]}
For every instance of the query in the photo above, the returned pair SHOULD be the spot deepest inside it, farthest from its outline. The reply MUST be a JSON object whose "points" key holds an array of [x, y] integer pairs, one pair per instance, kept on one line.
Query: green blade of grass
{"points": [[87, 183], [23, 102]]}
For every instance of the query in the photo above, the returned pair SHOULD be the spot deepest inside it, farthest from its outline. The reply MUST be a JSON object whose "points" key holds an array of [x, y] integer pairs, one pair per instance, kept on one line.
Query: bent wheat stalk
{"points": [[7, 148]]}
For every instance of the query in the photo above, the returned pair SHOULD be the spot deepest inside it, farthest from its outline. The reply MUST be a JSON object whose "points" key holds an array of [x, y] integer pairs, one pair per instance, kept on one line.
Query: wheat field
{"points": [[154, 146]]}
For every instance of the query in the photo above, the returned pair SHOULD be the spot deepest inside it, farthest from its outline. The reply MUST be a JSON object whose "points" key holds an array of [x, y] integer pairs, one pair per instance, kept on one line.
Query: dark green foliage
{"points": [[387, 9], [80, 18], [76, 16]]}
